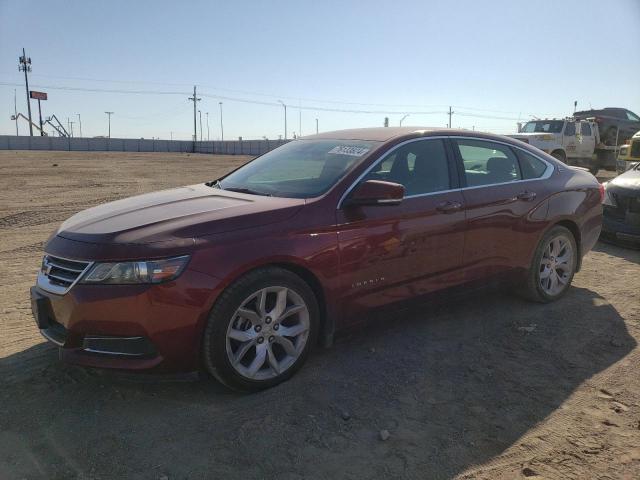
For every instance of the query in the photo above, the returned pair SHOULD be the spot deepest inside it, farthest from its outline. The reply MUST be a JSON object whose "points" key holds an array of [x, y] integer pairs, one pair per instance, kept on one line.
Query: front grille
{"points": [[58, 275], [635, 148]]}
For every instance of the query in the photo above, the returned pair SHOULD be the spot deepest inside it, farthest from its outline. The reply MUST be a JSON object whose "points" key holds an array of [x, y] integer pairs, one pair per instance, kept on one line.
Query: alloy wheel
{"points": [[267, 333], [556, 265]]}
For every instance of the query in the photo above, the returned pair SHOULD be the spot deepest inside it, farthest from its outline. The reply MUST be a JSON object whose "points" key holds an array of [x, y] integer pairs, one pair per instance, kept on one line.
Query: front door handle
{"points": [[526, 196], [449, 207]]}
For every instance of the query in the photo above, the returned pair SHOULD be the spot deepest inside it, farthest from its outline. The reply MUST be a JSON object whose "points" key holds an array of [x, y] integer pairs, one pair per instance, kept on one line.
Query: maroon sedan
{"points": [[243, 275]]}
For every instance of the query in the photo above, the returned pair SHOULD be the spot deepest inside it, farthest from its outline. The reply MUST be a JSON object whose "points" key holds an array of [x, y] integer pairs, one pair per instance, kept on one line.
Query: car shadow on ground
{"points": [[454, 383]]}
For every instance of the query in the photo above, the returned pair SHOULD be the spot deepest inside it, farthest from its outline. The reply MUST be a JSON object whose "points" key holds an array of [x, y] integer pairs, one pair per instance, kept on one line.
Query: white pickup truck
{"points": [[574, 142]]}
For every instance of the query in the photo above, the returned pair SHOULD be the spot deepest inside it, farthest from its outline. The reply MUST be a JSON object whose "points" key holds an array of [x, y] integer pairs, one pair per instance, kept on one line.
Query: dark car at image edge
{"points": [[621, 215], [245, 274]]}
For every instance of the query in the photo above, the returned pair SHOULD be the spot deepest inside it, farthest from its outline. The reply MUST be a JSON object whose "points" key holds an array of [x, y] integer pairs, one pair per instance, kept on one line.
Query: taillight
{"points": [[601, 193]]}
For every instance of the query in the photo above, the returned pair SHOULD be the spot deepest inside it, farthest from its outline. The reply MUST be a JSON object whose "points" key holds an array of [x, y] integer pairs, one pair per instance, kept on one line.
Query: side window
{"points": [[632, 117], [487, 163], [585, 130], [570, 129], [422, 167], [531, 166]]}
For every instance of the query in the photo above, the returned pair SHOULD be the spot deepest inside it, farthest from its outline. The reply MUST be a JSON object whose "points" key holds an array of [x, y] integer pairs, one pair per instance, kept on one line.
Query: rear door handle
{"points": [[449, 207], [526, 196]]}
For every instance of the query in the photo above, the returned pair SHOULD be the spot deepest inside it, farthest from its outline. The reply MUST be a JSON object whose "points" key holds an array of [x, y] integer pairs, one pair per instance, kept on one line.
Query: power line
{"points": [[260, 94], [267, 103]]}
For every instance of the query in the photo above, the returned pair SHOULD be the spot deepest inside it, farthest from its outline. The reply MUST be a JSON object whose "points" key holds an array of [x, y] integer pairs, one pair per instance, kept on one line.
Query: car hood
{"points": [[178, 213], [629, 180]]}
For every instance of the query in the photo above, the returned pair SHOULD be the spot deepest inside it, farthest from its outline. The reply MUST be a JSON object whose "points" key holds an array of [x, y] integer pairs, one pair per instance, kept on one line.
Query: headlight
{"points": [[607, 199], [150, 271]]}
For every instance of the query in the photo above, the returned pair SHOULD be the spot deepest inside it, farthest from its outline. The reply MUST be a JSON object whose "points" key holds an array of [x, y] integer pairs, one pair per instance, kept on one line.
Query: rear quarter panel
{"points": [[578, 201]]}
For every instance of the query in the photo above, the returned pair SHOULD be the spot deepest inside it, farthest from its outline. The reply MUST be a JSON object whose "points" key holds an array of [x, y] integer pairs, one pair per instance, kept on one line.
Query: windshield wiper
{"points": [[217, 184], [247, 190]]}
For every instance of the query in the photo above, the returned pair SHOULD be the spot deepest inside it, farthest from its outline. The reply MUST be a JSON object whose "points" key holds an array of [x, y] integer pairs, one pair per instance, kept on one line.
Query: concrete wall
{"points": [[233, 147]]}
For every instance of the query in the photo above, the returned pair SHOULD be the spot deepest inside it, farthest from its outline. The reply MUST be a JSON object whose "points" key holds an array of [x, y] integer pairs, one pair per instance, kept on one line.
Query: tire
{"points": [[245, 345], [559, 155], [610, 136], [539, 283]]}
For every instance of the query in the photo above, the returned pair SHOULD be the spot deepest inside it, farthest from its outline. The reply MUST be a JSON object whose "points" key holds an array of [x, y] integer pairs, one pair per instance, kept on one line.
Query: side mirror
{"points": [[376, 192]]}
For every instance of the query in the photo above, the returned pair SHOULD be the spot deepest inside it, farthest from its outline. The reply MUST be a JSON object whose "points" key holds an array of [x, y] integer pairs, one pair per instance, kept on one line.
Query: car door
{"points": [[502, 205], [587, 141], [392, 253], [570, 140]]}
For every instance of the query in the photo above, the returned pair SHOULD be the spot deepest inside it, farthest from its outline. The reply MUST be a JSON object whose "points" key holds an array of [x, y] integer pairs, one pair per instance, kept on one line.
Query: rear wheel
{"points": [[553, 266], [261, 329], [559, 155]]}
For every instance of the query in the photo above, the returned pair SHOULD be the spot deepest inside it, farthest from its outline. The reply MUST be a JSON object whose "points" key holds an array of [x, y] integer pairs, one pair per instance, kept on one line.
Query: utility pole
{"points": [[25, 66], [221, 124], [71, 128], [451, 112], [109, 115], [15, 110], [194, 99], [80, 124], [285, 118], [207, 114], [200, 115], [316, 126]]}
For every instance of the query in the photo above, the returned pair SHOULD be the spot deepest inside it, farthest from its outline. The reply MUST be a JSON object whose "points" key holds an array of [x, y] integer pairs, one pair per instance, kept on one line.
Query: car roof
{"points": [[380, 134], [386, 134]]}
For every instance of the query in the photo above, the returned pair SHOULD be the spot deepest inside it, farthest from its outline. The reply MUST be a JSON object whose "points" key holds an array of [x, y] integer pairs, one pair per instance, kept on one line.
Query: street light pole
{"points": [[200, 115], [221, 124], [79, 124], [402, 119], [285, 118], [207, 114], [109, 115]]}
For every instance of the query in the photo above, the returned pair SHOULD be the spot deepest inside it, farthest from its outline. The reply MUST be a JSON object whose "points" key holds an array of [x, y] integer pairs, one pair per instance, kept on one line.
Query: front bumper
{"points": [[131, 327], [618, 229]]}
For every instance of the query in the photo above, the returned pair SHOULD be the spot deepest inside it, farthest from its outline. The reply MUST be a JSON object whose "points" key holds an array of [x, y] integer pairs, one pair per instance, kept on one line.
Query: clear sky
{"points": [[497, 60]]}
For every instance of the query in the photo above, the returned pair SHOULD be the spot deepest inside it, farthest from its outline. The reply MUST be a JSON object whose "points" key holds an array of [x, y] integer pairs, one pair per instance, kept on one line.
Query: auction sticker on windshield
{"points": [[351, 150]]}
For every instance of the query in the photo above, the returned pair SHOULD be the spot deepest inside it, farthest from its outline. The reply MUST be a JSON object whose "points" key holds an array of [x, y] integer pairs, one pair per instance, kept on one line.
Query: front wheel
{"points": [[261, 329], [553, 266]]}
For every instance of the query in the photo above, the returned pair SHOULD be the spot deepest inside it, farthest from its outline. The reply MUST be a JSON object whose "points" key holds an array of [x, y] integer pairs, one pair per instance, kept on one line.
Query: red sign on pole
{"points": [[38, 95]]}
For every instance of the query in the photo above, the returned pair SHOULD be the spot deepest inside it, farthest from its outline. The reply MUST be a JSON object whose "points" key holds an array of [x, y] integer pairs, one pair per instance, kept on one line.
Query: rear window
{"points": [[487, 163], [531, 166]]}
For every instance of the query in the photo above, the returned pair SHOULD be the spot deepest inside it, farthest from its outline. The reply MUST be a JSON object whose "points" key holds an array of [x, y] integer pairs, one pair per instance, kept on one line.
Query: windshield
{"points": [[298, 169], [543, 126]]}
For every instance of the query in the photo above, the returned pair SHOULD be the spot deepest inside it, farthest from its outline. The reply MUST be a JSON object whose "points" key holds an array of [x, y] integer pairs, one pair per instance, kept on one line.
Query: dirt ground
{"points": [[486, 387]]}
